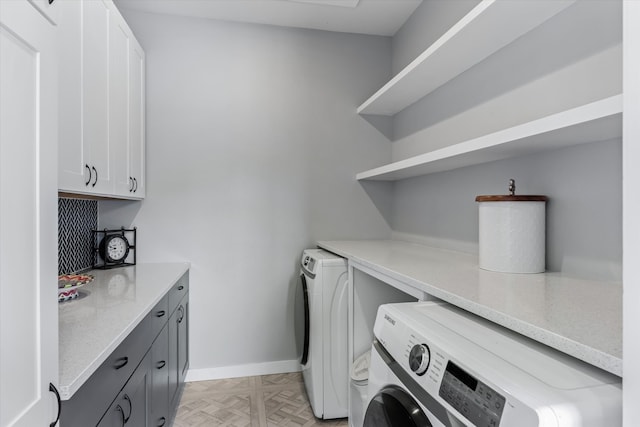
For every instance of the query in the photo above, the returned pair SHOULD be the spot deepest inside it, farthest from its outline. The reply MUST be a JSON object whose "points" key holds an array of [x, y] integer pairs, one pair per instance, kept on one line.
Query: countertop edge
{"points": [[584, 352], [68, 390]]}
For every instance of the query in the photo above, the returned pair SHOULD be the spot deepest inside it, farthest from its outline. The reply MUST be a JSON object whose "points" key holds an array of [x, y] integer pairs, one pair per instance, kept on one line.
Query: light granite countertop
{"points": [[582, 318], [92, 326]]}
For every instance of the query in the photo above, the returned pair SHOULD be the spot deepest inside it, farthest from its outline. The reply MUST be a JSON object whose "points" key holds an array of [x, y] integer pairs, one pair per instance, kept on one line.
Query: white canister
{"points": [[512, 233]]}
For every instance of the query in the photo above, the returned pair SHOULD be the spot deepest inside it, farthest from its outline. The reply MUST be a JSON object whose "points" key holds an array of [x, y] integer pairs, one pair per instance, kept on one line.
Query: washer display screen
{"points": [[479, 403]]}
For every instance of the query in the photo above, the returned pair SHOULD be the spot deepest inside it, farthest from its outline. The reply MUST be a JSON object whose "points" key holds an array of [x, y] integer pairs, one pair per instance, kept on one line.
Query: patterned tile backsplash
{"points": [[76, 219]]}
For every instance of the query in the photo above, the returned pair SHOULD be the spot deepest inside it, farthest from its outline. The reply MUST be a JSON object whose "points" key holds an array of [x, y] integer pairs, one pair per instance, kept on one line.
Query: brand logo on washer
{"points": [[389, 319]]}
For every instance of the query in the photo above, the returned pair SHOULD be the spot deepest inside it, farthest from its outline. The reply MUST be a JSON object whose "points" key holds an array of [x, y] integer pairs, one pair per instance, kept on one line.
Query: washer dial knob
{"points": [[419, 358]]}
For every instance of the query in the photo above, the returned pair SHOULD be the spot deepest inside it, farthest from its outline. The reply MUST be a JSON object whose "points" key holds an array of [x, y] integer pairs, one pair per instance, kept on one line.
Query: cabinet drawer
{"points": [[178, 291], [159, 316], [90, 402], [130, 407]]}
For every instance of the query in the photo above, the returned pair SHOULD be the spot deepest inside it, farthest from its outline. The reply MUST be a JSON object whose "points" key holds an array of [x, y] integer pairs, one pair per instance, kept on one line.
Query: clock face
{"points": [[116, 248]]}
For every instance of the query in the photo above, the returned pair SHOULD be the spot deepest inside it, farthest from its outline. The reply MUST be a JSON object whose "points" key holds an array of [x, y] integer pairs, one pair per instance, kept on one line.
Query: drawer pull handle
{"points": [[160, 313], [161, 364], [121, 363], [180, 287], [119, 409], [162, 421], [126, 397], [54, 390]]}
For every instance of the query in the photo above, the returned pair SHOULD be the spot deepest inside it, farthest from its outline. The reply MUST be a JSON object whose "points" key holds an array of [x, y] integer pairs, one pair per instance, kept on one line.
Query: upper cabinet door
{"points": [[28, 216], [119, 56], [137, 121], [95, 94], [73, 171]]}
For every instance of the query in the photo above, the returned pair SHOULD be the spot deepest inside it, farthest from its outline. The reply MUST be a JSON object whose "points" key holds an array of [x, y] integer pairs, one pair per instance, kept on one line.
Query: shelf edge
{"points": [[556, 122]]}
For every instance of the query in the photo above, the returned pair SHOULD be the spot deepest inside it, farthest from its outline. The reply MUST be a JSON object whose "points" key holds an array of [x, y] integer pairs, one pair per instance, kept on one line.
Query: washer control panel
{"points": [[475, 400]]}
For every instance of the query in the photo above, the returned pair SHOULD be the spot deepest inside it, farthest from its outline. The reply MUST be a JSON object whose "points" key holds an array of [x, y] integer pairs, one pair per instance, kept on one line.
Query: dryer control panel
{"points": [[308, 262]]}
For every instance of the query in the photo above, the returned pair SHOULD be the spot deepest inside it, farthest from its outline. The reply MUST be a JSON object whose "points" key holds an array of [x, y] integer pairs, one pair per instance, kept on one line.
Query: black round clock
{"points": [[114, 248]]}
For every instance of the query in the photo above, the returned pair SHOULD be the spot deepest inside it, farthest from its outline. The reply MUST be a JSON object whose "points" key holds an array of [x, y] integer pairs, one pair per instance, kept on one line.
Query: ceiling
{"points": [[376, 17]]}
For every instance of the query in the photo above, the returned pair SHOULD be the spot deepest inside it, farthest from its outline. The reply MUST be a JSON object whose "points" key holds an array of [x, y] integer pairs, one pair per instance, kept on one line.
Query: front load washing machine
{"points": [[433, 364], [324, 360]]}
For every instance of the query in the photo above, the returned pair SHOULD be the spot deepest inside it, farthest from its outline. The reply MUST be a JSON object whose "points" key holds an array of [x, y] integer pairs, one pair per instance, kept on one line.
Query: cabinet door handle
{"points": [[120, 363], [96, 181], [181, 310], [180, 287], [119, 409], [126, 397], [135, 181], [160, 313], [54, 390], [50, 1], [130, 184], [162, 421], [89, 169], [161, 364]]}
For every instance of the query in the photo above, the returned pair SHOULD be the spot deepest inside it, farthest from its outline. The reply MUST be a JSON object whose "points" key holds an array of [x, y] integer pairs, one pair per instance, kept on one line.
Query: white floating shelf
{"points": [[489, 26], [597, 121]]}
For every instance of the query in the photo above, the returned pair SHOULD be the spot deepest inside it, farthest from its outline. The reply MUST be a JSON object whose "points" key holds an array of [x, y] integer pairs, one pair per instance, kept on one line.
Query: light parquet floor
{"points": [[261, 401]]}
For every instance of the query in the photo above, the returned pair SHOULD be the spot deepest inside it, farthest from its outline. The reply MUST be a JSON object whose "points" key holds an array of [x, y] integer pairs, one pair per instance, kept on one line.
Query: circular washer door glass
{"points": [[394, 407]]}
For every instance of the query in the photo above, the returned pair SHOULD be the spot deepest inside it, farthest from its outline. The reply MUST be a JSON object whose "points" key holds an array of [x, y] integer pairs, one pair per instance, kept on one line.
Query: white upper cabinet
{"points": [[96, 47], [28, 217]]}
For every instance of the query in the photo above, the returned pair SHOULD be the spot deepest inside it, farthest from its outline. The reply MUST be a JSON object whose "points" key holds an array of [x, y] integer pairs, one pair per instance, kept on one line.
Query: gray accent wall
{"points": [[253, 142]]}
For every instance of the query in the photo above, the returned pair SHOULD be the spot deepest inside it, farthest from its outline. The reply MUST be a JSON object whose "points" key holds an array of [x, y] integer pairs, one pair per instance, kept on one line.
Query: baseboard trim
{"points": [[249, 370]]}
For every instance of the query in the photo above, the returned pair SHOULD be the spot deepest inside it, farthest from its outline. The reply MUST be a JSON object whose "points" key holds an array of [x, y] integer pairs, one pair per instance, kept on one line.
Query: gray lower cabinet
{"points": [[140, 383]]}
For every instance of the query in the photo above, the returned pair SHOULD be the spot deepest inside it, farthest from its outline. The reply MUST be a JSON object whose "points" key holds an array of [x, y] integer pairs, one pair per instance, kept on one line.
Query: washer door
{"points": [[394, 407]]}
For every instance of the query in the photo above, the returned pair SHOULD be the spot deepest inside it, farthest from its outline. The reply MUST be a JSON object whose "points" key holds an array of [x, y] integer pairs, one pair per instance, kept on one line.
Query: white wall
{"points": [[253, 142]]}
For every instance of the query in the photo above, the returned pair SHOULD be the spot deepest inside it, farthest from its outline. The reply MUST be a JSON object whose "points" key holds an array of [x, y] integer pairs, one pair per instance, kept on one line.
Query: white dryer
{"points": [[323, 285], [433, 364]]}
